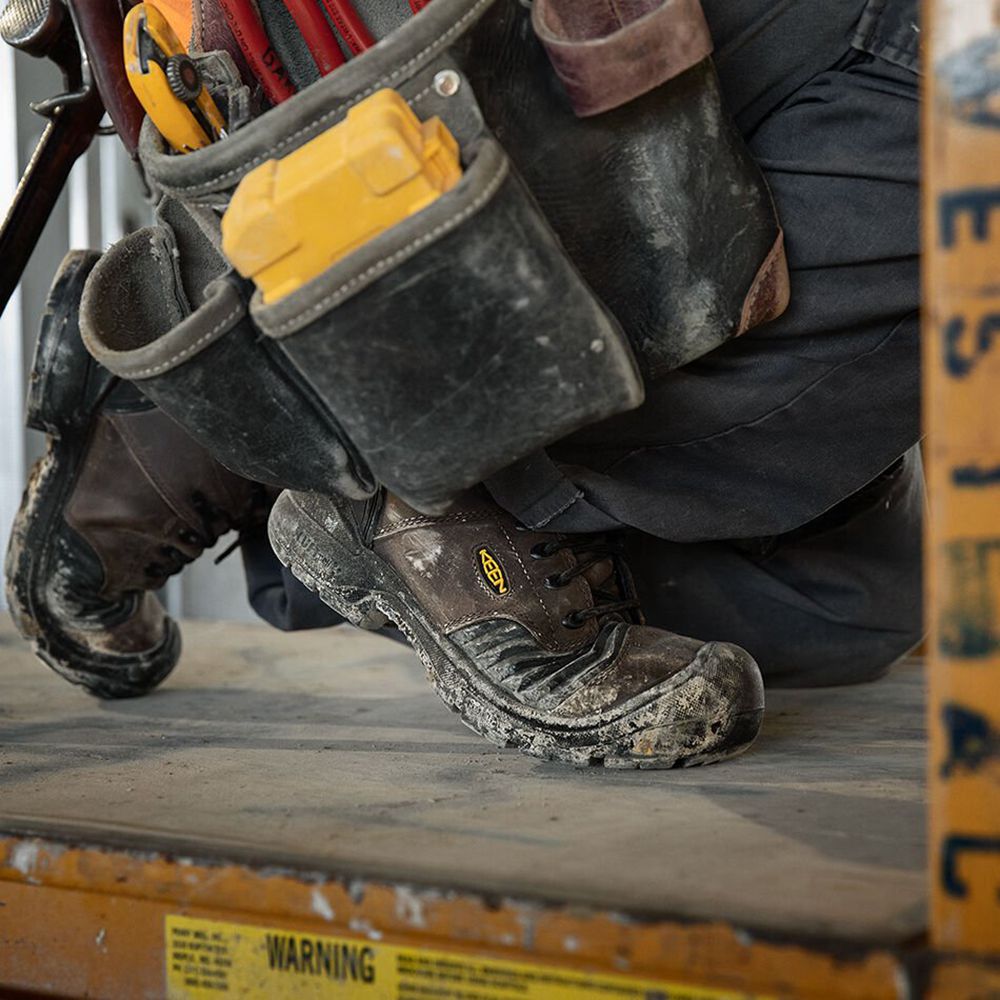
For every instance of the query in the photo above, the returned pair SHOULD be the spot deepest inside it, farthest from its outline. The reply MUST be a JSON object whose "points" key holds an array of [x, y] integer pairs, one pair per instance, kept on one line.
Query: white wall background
{"points": [[961, 21], [103, 200]]}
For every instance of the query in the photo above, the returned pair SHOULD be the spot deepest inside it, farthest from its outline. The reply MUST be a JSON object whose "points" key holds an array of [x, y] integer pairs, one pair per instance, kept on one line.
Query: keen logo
{"points": [[492, 572]]}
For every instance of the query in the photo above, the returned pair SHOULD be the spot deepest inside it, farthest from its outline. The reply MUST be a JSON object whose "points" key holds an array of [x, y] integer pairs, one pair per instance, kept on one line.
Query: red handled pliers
{"points": [[244, 22], [246, 26]]}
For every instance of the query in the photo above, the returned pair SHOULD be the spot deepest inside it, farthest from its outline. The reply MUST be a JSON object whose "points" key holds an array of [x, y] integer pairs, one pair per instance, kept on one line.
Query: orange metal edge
{"points": [[964, 979], [77, 919], [961, 162]]}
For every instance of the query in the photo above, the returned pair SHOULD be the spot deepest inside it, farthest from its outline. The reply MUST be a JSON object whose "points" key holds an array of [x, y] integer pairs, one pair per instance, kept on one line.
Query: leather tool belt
{"points": [[609, 225]]}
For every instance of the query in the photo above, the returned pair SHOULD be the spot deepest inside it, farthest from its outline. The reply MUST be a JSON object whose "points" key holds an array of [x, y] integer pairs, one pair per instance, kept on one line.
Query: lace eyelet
{"points": [[555, 582], [541, 550], [572, 621]]}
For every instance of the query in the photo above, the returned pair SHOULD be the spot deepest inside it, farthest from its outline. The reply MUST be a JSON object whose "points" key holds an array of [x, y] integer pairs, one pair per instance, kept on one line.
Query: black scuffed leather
{"points": [[478, 343], [231, 389], [243, 401], [658, 202], [444, 349]]}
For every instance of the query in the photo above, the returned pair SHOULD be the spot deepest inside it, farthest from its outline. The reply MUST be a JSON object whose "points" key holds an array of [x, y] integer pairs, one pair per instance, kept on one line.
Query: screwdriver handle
{"points": [[317, 34], [348, 22], [258, 50]]}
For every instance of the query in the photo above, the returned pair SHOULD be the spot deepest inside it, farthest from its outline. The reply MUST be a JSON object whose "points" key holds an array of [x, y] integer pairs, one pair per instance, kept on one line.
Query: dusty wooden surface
{"points": [[329, 751]]}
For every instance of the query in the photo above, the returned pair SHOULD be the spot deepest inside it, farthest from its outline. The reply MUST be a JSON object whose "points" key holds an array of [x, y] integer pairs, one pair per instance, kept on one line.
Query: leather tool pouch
{"points": [[612, 113], [210, 370], [458, 341], [466, 337]]}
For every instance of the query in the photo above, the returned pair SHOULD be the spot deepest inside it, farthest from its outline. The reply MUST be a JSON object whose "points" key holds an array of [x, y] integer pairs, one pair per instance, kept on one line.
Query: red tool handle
{"points": [[348, 22], [256, 46], [317, 34], [418, 5]]}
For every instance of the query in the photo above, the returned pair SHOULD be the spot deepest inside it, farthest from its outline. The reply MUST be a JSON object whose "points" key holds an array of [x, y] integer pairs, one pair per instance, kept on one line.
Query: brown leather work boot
{"points": [[121, 500], [536, 640]]}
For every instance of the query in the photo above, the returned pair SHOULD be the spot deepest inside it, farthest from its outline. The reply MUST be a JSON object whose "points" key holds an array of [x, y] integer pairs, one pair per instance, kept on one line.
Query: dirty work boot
{"points": [[534, 639], [121, 500]]}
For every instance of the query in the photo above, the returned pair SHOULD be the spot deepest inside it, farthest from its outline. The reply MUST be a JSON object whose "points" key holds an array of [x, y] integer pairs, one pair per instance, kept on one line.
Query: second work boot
{"points": [[535, 639], [121, 500]]}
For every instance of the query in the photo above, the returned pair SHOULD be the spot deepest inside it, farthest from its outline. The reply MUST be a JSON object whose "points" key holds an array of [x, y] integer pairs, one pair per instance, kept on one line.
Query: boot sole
{"points": [[346, 575], [61, 403]]}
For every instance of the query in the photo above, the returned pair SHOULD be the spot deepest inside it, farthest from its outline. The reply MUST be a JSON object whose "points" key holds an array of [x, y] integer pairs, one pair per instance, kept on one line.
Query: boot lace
{"points": [[215, 522], [589, 551]]}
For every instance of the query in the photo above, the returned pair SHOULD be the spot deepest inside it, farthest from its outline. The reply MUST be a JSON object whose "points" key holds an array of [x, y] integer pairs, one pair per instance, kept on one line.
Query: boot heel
{"points": [[64, 378]]}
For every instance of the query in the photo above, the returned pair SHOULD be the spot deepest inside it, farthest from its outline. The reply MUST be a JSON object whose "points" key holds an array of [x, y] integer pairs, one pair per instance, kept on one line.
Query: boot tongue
{"points": [[600, 576]]}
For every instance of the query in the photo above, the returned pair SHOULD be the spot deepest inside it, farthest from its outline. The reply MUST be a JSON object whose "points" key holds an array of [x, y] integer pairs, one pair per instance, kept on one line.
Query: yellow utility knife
{"points": [[168, 83]]}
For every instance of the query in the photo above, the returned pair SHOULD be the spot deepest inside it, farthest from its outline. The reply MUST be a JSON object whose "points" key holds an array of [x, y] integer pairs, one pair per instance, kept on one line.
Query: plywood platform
{"points": [[328, 752]]}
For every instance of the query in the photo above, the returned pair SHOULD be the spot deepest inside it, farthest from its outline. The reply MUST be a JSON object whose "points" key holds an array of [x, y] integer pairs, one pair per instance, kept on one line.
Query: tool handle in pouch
{"points": [[167, 82], [290, 219]]}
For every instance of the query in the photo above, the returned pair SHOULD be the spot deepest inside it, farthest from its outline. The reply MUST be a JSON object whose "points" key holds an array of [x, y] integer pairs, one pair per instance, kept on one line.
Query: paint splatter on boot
{"points": [[535, 639]]}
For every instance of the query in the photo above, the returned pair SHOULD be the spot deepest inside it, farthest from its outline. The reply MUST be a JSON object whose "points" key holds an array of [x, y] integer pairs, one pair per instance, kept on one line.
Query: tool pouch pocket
{"points": [[458, 340], [613, 117], [613, 114], [414, 60], [233, 391], [609, 54]]}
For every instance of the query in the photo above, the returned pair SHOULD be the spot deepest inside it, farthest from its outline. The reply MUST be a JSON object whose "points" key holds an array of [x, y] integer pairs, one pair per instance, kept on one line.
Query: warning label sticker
{"points": [[209, 959]]}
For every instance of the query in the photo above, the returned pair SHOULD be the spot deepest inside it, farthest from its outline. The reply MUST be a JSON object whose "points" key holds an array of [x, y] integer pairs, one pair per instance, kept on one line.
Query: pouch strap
{"points": [[608, 52]]}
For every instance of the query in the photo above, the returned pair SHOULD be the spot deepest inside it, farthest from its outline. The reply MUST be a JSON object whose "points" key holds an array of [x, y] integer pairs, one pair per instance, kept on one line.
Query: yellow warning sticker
{"points": [[209, 959]]}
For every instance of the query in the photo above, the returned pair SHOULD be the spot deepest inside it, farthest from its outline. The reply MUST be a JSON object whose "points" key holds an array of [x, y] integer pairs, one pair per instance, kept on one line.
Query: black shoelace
{"points": [[589, 550], [215, 522]]}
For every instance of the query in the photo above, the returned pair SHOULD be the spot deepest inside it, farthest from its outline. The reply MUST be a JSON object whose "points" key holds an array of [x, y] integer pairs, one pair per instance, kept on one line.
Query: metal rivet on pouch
{"points": [[447, 82]]}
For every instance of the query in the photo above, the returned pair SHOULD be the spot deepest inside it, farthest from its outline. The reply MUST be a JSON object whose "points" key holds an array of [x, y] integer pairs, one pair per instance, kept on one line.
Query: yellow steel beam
{"points": [[962, 416], [114, 923]]}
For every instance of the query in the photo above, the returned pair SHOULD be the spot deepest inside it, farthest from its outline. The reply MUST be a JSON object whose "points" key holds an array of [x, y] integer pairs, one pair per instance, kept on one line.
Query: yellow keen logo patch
{"points": [[492, 572]]}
